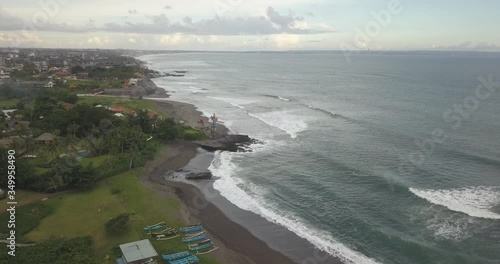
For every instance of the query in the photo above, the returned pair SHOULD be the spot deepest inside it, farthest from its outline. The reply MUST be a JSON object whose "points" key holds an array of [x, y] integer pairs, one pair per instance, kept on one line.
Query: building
{"points": [[58, 63], [88, 63], [50, 84], [137, 252], [8, 141], [45, 139]]}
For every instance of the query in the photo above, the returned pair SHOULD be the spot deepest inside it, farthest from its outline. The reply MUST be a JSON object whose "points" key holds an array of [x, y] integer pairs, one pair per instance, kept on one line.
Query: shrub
{"points": [[118, 224]]}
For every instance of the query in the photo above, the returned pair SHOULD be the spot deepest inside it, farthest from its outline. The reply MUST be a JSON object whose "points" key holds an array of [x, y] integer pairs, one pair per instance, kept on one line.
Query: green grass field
{"points": [[23, 196], [85, 213], [117, 101], [8, 103]]}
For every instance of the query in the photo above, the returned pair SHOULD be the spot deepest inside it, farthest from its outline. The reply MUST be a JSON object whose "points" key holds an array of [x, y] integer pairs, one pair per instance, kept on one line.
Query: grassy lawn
{"points": [[95, 161], [23, 196], [87, 85], [85, 213], [117, 101], [8, 103]]}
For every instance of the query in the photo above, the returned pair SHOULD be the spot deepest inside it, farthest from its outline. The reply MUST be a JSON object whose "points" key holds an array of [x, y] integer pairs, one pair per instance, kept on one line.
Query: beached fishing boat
{"points": [[191, 229], [206, 241], [188, 240], [195, 234], [204, 248], [167, 235], [176, 256], [186, 260], [160, 225], [166, 230]]}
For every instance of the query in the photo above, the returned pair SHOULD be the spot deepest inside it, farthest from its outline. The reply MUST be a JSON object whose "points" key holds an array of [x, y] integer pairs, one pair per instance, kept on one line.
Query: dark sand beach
{"points": [[236, 244], [242, 237]]}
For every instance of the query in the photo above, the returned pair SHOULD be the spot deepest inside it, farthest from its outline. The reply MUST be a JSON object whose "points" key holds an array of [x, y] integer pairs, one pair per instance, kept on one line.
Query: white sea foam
{"points": [[232, 101], [473, 201], [322, 110], [450, 228], [283, 99], [253, 200], [283, 120]]}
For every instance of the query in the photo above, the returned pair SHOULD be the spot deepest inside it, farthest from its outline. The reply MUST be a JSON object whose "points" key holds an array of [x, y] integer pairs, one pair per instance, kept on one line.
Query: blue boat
{"points": [[187, 260], [191, 229], [203, 248], [160, 225], [188, 240], [176, 256]]}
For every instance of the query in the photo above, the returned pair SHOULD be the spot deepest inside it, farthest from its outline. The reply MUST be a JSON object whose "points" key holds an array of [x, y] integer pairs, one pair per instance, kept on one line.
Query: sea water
{"points": [[388, 158]]}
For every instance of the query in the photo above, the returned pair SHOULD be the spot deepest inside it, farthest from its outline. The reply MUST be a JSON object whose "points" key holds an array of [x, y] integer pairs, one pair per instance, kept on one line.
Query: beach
{"points": [[236, 244]]}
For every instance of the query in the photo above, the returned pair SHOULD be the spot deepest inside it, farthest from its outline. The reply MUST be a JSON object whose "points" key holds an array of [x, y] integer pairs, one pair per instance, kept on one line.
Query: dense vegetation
{"points": [[55, 251], [112, 144], [31, 215]]}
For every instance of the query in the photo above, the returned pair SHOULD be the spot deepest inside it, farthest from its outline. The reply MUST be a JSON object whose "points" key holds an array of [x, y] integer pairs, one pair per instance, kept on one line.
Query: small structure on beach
{"points": [[137, 252]]}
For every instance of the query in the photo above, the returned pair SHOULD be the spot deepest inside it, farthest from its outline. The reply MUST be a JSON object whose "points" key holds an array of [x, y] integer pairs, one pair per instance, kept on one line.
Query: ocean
{"points": [[388, 158]]}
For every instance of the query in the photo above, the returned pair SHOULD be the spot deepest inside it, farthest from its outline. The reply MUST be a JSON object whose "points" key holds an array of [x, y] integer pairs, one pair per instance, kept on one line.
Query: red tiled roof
{"points": [[117, 109]]}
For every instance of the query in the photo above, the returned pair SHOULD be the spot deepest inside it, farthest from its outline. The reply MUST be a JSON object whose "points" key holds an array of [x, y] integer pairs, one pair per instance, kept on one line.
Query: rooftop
{"points": [[138, 250]]}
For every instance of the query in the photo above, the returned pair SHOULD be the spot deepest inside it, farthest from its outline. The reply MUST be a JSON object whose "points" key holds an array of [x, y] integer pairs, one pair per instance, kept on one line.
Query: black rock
{"points": [[199, 176], [232, 143]]}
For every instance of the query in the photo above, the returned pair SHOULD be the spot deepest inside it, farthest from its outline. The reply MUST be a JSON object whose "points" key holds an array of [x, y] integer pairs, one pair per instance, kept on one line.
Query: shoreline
{"points": [[245, 236], [236, 244]]}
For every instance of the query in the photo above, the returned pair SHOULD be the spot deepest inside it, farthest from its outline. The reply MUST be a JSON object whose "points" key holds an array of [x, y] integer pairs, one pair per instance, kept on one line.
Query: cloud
{"points": [[99, 41], [469, 46], [187, 20], [10, 22], [271, 23]]}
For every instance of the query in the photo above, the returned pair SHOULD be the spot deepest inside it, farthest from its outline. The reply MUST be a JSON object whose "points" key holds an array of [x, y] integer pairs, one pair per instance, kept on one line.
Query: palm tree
{"points": [[72, 129], [56, 183]]}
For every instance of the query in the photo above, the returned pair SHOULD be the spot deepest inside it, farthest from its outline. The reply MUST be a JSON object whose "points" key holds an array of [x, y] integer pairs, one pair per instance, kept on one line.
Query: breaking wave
{"points": [[473, 201], [252, 200], [283, 120]]}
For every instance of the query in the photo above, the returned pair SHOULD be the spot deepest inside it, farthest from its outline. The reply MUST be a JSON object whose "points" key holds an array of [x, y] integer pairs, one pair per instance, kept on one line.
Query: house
{"points": [[12, 123], [45, 139], [8, 141], [133, 82], [137, 252], [117, 108], [50, 84]]}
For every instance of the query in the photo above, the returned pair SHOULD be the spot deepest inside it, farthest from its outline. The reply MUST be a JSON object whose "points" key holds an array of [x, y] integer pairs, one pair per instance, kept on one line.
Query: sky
{"points": [[237, 25]]}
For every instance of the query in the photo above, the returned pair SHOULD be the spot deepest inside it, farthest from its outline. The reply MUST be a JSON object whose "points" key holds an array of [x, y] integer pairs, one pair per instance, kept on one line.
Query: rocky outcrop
{"points": [[227, 143], [199, 176]]}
